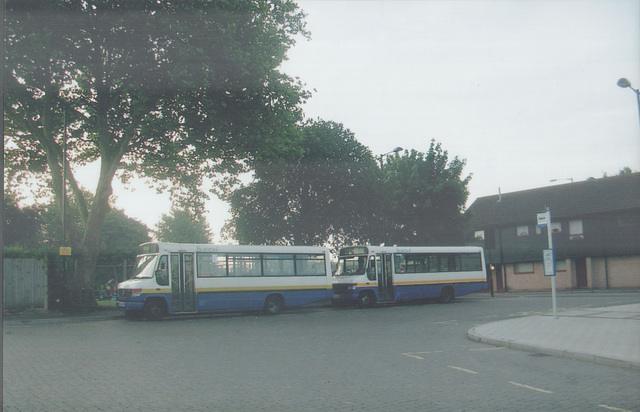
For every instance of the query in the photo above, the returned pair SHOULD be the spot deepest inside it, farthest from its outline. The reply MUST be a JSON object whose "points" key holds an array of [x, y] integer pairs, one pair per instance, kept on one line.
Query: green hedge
{"points": [[18, 252]]}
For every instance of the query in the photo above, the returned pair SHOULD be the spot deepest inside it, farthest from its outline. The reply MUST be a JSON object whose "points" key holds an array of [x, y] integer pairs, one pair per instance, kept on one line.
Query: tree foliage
{"points": [[119, 241], [180, 226], [22, 225], [172, 90], [337, 194], [40, 226], [325, 197], [625, 171], [120, 237], [424, 198]]}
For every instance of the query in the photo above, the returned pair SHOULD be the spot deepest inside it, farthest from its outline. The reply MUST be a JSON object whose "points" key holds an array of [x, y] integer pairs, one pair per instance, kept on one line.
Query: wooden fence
{"points": [[24, 284]]}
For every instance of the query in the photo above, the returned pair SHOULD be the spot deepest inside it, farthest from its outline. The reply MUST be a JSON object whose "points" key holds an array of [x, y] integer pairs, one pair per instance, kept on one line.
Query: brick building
{"points": [[596, 234]]}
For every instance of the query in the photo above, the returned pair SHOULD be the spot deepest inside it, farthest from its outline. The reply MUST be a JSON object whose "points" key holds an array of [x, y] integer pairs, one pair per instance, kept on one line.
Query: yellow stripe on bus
{"points": [[259, 288], [423, 282]]}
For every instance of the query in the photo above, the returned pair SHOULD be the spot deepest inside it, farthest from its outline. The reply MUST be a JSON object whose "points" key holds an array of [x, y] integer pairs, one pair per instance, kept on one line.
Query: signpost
{"points": [[548, 256]]}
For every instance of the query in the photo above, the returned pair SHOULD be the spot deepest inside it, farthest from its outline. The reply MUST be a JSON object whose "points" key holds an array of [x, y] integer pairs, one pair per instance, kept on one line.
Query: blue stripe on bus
{"points": [[433, 291], [236, 300], [254, 300], [415, 292]]}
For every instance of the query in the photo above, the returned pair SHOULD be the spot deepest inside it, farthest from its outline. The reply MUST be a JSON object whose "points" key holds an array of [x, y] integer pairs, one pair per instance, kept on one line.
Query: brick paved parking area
{"points": [[412, 357]]}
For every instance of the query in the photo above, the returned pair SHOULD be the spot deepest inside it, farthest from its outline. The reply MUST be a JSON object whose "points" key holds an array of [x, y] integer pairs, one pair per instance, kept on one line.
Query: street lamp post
{"points": [[624, 83], [396, 150], [382, 220]]}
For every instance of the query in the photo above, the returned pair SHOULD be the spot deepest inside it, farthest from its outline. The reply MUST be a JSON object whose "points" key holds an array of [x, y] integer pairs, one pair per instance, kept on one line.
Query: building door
{"points": [[581, 273], [385, 278], [499, 280], [182, 287]]}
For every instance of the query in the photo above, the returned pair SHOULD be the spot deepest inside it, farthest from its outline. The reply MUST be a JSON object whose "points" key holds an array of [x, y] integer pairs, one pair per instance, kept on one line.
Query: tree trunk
{"points": [[81, 287]]}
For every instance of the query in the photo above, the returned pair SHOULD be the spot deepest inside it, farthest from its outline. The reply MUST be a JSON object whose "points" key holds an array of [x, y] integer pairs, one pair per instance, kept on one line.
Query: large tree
{"points": [[326, 197], [174, 90], [424, 198]]}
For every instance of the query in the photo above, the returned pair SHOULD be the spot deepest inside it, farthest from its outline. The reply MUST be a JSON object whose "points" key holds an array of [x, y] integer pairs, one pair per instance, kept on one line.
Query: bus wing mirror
{"points": [[161, 269]]}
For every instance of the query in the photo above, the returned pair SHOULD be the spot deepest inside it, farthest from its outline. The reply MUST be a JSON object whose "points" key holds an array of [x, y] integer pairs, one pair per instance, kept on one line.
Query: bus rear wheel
{"points": [[366, 300], [447, 295], [273, 305]]}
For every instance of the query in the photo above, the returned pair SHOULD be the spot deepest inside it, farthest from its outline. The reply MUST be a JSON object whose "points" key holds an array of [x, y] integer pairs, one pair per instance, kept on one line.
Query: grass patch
{"points": [[107, 303]]}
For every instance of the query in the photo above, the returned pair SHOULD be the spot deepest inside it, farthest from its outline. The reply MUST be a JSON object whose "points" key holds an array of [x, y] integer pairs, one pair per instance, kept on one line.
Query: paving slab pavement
{"points": [[40, 316], [608, 335]]}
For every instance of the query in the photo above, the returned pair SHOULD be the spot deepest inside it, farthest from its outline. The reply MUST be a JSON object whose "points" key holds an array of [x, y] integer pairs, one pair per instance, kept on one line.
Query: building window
{"points": [[522, 231], [561, 265], [523, 268], [626, 221], [575, 229], [479, 235]]}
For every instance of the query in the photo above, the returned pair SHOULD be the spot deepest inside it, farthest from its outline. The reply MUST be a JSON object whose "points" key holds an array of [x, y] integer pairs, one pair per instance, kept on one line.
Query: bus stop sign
{"points": [[549, 262]]}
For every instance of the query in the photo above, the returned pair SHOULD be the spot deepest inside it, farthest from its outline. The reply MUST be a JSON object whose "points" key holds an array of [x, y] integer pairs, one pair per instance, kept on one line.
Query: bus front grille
{"points": [[342, 288]]}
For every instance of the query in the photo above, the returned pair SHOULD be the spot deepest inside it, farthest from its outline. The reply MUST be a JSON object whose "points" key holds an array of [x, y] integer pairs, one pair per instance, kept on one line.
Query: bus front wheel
{"points": [[273, 305], [366, 300], [154, 309]]}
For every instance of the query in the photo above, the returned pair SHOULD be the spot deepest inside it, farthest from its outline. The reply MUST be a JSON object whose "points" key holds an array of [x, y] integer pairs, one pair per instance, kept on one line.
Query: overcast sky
{"points": [[525, 91]]}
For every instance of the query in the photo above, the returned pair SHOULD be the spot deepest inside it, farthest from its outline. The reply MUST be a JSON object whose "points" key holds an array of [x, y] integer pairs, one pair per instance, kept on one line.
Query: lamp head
{"points": [[624, 83]]}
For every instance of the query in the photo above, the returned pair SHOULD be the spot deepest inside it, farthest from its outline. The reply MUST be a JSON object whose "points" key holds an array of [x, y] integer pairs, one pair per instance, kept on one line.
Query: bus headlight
{"points": [[136, 292]]}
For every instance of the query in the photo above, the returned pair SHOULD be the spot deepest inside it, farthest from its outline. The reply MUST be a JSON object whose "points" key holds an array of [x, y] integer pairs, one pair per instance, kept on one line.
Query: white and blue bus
{"points": [[173, 278], [367, 275]]}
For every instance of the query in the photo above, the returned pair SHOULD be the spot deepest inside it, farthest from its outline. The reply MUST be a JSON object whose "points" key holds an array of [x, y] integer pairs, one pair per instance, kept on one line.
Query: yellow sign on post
{"points": [[65, 251]]}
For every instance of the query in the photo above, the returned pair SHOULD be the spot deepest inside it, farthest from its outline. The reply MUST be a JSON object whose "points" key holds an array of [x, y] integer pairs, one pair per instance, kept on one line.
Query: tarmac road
{"points": [[409, 357]]}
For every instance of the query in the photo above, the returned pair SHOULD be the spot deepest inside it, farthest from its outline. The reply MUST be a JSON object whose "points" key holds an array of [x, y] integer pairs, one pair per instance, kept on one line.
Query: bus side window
{"points": [[371, 269], [400, 263], [162, 273]]}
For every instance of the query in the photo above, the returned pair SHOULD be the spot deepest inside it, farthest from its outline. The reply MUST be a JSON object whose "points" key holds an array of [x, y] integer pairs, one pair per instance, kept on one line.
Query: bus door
{"points": [[385, 278], [182, 279]]}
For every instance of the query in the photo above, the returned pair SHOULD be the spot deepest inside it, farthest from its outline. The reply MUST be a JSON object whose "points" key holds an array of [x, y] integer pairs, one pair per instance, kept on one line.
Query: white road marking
{"points": [[530, 387], [463, 370], [412, 356], [415, 354], [446, 322], [612, 408]]}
